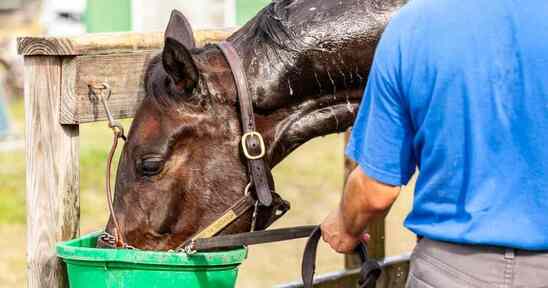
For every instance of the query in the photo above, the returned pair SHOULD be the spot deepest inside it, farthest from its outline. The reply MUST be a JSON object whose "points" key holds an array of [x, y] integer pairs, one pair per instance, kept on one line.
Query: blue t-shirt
{"points": [[459, 90]]}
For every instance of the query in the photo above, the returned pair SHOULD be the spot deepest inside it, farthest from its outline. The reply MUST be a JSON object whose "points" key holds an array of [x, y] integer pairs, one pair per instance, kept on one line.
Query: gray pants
{"points": [[443, 265]]}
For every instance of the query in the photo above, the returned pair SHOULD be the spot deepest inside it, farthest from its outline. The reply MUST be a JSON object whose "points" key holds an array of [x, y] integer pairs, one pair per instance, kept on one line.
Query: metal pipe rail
{"points": [[395, 269]]}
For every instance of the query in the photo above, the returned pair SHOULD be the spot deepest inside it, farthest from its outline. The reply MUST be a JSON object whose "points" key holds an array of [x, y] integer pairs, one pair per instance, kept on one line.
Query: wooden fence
{"points": [[57, 73]]}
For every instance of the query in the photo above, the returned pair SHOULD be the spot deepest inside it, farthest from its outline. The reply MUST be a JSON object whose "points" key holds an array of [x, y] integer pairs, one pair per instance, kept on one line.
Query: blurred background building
{"points": [[76, 16]]}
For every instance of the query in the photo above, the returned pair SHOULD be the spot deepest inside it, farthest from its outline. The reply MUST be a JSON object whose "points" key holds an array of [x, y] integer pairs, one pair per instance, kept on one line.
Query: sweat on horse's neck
{"points": [[307, 49], [307, 64]]}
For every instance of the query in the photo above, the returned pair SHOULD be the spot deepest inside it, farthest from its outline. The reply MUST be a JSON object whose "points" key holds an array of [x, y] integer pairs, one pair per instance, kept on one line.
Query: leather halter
{"points": [[253, 146], [254, 150], [260, 177]]}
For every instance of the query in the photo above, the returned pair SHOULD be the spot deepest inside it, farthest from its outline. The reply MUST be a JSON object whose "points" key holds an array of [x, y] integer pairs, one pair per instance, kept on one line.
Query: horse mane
{"points": [[270, 26]]}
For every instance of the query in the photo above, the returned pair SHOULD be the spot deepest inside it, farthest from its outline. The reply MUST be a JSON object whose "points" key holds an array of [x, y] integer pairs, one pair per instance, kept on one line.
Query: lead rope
{"points": [[102, 93], [369, 273]]}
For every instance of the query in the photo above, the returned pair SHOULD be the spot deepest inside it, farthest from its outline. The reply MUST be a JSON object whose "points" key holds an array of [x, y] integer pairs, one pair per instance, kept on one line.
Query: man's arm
{"points": [[363, 200], [382, 143]]}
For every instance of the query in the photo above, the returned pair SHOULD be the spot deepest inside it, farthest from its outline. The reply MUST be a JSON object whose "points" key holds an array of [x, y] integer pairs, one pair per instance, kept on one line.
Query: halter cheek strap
{"points": [[253, 146]]}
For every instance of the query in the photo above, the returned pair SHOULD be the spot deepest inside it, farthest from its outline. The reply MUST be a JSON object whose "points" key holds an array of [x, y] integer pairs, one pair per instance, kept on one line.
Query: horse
{"points": [[306, 64]]}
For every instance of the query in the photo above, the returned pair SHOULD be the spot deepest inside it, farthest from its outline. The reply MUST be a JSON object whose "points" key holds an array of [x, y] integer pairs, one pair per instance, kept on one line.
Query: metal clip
{"points": [[261, 144], [246, 190], [254, 217], [189, 249], [102, 92], [255, 207], [129, 247]]}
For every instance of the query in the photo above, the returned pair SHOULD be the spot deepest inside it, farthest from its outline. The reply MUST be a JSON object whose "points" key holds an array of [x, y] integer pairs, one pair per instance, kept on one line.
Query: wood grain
{"points": [[68, 108], [107, 43], [52, 181], [123, 72]]}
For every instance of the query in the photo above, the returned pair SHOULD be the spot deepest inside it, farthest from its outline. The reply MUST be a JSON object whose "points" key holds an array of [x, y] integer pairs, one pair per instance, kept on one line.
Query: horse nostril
{"points": [[156, 234], [164, 230]]}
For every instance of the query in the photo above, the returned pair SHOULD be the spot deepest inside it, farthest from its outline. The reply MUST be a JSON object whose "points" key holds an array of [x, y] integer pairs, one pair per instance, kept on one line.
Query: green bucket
{"points": [[89, 267]]}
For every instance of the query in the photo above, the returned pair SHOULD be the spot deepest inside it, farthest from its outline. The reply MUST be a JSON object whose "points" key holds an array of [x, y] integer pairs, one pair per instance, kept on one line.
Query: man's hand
{"points": [[363, 200], [334, 233]]}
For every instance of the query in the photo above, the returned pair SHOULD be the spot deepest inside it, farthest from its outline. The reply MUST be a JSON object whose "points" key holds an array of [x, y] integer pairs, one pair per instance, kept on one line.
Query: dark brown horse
{"points": [[307, 64]]}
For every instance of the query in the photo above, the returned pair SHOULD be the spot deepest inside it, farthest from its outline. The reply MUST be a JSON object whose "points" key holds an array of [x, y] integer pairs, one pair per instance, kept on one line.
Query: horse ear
{"points": [[178, 63], [179, 29]]}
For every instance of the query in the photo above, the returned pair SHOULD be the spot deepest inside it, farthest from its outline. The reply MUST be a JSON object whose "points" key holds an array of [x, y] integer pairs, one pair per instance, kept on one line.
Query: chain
{"points": [[110, 241], [102, 92]]}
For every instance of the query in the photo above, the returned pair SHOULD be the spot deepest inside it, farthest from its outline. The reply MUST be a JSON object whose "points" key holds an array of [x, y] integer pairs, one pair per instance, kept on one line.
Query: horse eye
{"points": [[151, 166]]}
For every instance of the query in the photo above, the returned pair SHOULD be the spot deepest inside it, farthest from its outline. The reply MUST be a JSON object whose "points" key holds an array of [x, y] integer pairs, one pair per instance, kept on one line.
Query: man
{"points": [[459, 89]]}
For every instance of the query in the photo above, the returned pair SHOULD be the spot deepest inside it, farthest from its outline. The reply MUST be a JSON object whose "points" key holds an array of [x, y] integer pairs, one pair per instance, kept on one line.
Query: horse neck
{"points": [[296, 51], [306, 76]]}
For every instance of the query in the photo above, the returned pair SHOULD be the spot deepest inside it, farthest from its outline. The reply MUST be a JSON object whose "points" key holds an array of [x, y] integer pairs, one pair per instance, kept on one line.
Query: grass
{"points": [[12, 177], [310, 178]]}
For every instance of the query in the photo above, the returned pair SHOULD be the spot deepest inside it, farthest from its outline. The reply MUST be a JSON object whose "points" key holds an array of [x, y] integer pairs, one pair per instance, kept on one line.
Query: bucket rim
{"points": [[80, 249]]}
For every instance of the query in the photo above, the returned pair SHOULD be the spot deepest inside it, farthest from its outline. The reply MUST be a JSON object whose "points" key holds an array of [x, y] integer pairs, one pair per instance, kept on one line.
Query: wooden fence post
{"points": [[57, 72], [52, 183]]}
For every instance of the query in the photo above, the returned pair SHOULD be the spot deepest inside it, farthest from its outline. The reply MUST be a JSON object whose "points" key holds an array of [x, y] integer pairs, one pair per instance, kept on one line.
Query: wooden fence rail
{"points": [[57, 73]]}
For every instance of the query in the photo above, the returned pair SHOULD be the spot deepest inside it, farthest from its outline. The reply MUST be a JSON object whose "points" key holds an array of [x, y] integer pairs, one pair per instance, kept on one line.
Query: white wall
{"points": [[230, 13], [153, 15], [57, 26]]}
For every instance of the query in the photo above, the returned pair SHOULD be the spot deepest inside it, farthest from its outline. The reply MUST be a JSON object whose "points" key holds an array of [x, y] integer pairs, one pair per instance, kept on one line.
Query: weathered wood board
{"points": [[125, 79], [106, 43], [52, 188], [117, 59]]}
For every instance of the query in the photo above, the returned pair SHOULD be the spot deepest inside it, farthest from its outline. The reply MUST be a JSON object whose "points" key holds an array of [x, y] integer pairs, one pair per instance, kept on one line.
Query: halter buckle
{"points": [[248, 155]]}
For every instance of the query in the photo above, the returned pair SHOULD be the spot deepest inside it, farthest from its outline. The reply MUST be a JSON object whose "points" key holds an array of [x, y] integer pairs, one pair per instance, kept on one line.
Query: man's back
{"points": [[471, 80]]}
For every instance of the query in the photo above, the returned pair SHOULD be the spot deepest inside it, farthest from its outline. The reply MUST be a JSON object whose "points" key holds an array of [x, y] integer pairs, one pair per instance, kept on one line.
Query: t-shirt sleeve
{"points": [[382, 135]]}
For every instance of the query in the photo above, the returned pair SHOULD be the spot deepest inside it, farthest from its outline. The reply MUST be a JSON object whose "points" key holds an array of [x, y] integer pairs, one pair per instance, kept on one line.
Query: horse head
{"points": [[306, 64]]}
